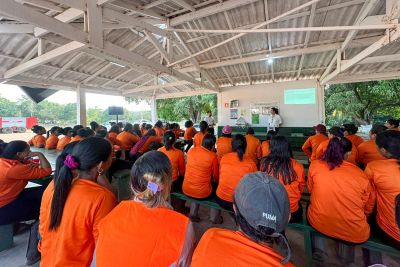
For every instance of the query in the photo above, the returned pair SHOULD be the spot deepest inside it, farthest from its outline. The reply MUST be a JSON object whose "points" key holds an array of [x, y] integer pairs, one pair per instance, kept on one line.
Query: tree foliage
{"points": [[61, 114], [190, 107], [362, 102]]}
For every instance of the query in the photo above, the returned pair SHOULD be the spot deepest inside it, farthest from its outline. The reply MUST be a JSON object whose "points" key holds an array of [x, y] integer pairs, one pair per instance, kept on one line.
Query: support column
{"points": [[81, 105], [153, 103], [321, 102]]}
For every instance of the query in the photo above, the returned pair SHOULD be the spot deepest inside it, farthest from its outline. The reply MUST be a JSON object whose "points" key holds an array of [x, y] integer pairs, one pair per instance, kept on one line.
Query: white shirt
{"points": [[210, 121], [274, 121]]}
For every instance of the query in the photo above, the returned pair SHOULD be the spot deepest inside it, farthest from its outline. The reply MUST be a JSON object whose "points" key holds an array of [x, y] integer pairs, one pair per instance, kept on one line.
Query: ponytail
{"points": [[62, 186], [239, 145], [48, 134], [85, 155], [169, 140], [337, 148]]}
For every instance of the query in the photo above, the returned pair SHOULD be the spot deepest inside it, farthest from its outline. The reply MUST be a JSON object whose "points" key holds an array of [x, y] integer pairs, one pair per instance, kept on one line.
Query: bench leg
{"points": [[308, 247], [194, 210], [6, 236], [371, 257]]}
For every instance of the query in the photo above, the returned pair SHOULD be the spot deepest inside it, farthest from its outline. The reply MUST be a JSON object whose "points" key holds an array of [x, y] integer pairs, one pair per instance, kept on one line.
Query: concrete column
{"points": [[321, 102], [81, 105], [153, 103]]}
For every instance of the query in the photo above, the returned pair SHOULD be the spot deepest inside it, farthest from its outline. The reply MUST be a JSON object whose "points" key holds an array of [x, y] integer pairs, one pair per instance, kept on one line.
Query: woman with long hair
{"points": [[73, 205], [341, 199], [127, 138], [265, 144], [144, 143], [18, 203], [350, 130], [145, 231], [233, 166], [198, 138], [75, 135], [280, 164]]}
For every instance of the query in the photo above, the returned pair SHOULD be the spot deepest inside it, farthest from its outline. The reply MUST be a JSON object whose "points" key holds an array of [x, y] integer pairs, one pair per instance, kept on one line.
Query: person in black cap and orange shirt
{"points": [[262, 213], [314, 141]]}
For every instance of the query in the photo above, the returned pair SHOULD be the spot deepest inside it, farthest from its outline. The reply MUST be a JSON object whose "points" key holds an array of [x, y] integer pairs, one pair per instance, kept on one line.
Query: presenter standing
{"points": [[211, 122], [274, 121]]}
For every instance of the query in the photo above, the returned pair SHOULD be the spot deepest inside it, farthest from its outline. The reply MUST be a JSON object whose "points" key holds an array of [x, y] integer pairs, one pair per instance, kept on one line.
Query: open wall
{"points": [[250, 96]]}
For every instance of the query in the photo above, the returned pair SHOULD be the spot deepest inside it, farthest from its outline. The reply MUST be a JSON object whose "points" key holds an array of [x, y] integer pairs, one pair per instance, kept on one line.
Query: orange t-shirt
{"points": [[340, 201], [353, 158], [385, 179], [63, 142], [224, 146], [135, 235], [76, 138], [51, 142], [198, 139], [148, 143], [368, 151], [189, 133], [296, 188], [38, 141], [14, 176], [313, 142], [265, 148], [201, 167], [231, 172], [253, 149], [355, 139], [127, 140], [73, 243], [226, 248], [159, 131], [177, 160]]}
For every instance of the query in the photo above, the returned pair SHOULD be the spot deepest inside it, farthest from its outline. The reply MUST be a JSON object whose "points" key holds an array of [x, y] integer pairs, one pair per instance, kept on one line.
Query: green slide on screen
{"points": [[300, 96]]}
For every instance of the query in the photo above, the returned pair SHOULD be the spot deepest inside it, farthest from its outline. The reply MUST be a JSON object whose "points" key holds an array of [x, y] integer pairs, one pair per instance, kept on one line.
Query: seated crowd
{"points": [[354, 188]]}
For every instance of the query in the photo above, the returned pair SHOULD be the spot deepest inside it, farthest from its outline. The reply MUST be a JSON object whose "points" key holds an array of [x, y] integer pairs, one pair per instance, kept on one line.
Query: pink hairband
{"points": [[71, 162]]}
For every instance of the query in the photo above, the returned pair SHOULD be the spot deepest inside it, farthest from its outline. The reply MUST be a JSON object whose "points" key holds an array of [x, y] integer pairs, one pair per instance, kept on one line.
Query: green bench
{"points": [[372, 244]]}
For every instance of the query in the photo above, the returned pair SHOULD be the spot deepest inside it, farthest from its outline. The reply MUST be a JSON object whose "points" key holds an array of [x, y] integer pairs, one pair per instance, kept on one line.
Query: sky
{"points": [[13, 93]]}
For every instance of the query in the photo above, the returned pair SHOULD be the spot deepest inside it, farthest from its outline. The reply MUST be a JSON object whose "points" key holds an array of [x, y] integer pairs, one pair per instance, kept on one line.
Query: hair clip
{"points": [[153, 187]]}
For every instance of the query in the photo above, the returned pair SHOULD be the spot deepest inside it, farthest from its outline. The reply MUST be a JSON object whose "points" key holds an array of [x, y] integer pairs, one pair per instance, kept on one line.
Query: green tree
{"points": [[8, 108], [97, 114], [362, 102], [190, 107]]}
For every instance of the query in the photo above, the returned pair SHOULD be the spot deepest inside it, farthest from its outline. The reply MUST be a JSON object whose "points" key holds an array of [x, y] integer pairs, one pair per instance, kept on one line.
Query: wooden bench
{"points": [[372, 244]]}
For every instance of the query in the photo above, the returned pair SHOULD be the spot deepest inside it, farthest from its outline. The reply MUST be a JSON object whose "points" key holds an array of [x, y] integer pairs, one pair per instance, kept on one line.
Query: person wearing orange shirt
{"points": [[265, 144], [127, 138], [144, 143], [280, 164], [145, 231], [350, 131], [198, 138], [393, 124], [38, 140], [74, 204], [75, 136], [52, 137], [158, 127], [368, 151], [233, 167], [177, 160], [261, 210], [67, 132], [313, 142], [224, 143], [341, 199], [18, 203], [113, 133], [253, 149], [336, 131], [189, 134], [385, 178], [201, 176]]}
